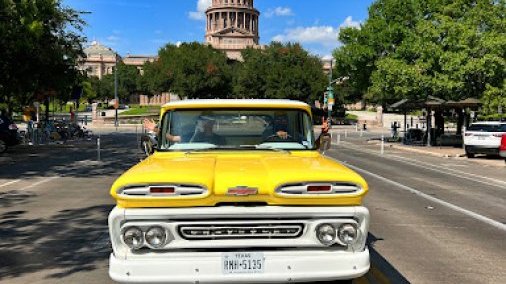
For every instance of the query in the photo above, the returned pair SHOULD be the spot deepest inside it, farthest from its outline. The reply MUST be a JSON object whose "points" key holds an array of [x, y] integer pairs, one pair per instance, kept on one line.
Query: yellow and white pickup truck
{"points": [[238, 191]]}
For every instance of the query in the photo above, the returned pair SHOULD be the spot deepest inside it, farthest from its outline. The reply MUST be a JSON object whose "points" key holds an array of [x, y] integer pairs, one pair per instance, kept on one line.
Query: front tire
{"points": [[469, 155]]}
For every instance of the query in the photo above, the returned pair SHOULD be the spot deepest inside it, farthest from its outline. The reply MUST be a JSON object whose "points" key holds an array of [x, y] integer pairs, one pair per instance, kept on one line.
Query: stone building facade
{"points": [[138, 61], [100, 60], [232, 25]]}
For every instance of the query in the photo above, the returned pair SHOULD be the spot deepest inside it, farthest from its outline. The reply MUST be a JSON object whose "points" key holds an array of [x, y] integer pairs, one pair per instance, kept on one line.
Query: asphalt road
{"points": [[433, 219]]}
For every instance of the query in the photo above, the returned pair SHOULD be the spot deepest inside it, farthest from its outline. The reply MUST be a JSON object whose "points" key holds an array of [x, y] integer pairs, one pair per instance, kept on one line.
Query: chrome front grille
{"points": [[240, 231]]}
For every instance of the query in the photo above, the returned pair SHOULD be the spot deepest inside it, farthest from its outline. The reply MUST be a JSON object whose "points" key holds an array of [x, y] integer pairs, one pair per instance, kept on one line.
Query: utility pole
{"points": [[116, 102]]}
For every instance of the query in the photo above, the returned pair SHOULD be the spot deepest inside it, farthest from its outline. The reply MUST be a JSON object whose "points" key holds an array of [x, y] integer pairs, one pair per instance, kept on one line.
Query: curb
{"points": [[420, 151]]}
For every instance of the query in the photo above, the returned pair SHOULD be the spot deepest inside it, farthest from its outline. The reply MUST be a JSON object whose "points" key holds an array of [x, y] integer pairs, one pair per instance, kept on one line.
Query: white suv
{"points": [[484, 138]]}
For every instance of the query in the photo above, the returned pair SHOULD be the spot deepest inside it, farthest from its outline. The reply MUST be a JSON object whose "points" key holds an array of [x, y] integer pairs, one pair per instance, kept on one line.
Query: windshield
{"points": [[487, 127], [264, 129]]}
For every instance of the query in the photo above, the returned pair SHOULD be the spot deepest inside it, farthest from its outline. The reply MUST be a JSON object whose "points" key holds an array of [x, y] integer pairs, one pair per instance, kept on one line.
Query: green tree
{"points": [[389, 23], [412, 49], [157, 78], [89, 93], [128, 77], [190, 70], [280, 71], [41, 44]]}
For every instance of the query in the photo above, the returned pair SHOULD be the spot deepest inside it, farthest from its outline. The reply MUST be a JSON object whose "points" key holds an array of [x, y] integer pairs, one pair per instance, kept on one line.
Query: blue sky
{"points": [[143, 27]]}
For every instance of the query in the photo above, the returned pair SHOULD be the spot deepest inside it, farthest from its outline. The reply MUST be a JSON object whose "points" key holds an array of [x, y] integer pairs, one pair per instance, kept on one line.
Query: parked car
{"points": [[484, 138], [9, 135]]}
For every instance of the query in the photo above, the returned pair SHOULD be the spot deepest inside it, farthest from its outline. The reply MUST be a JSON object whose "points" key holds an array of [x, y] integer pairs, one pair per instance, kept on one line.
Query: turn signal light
{"points": [[162, 190], [319, 188]]}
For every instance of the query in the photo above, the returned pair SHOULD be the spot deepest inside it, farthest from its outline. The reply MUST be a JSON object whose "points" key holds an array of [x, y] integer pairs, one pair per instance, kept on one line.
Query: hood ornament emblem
{"points": [[242, 191]]}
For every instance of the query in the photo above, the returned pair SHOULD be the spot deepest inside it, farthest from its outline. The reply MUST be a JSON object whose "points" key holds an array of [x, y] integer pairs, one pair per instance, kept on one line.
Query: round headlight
{"points": [[348, 234], [133, 238], [156, 237], [326, 234]]}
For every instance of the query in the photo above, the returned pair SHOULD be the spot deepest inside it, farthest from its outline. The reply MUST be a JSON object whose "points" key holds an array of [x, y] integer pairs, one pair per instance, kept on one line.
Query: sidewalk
{"points": [[438, 151]]}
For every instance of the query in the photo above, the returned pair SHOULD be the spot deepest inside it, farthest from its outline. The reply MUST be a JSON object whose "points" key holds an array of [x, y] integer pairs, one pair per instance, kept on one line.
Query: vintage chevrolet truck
{"points": [[238, 191]]}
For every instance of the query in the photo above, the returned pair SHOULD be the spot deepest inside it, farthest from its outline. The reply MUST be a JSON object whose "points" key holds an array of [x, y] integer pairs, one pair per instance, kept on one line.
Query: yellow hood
{"points": [[219, 171]]}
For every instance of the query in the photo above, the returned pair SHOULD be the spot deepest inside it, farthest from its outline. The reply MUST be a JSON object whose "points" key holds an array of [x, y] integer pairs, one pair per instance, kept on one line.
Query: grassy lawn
{"points": [[137, 110], [351, 116]]}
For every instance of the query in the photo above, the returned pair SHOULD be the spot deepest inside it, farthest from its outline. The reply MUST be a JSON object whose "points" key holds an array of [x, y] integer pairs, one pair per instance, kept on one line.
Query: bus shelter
{"points": [[435, 111]]}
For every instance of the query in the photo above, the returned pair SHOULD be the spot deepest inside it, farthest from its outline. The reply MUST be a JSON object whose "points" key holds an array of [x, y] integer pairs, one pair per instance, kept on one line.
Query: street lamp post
{"points": [[329, 98], [116, 103], [330, 94]]}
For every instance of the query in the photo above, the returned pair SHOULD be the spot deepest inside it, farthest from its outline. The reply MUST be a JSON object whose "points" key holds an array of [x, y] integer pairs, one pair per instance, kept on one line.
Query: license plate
{"points": [[242, 262]]}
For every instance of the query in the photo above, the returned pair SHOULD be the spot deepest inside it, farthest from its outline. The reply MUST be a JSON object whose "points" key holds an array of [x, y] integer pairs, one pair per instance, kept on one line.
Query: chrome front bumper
{"points": [[206, 267], [299, 259]]}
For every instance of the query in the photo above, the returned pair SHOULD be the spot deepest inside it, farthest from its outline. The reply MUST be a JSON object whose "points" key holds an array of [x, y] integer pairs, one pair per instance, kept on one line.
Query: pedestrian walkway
{"points": [[433, 151]]}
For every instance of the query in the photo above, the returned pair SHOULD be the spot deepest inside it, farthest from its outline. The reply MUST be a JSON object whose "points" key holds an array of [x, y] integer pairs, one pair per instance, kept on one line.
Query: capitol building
{"points": [[232, 25]]}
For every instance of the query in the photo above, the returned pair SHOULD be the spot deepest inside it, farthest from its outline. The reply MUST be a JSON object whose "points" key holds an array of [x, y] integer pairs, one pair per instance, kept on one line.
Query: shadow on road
{"points": [[118, 153], [68, 242], [381, 270], [15, 197]]}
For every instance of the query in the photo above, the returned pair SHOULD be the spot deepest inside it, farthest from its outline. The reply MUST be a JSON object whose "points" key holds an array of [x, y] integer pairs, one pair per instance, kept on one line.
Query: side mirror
{"points": [[324, 142], [148, 144]]}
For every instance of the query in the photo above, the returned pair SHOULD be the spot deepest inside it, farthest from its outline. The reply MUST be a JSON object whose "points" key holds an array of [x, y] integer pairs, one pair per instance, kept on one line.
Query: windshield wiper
{"points": [[238, 147], [254, 147], [189, 151]]}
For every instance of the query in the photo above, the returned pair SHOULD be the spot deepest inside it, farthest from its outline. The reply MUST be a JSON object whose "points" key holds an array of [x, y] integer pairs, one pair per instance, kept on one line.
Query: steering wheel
{"points": [[276, 138]]}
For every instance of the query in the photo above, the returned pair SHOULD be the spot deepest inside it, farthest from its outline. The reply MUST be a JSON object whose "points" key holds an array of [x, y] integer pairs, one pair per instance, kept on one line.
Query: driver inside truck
{"points": [[204, 132], [278, 128]]}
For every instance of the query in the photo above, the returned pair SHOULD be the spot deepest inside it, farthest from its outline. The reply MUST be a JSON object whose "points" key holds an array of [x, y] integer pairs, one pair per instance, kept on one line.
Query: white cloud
{"points": [[200, 14], [323, 35], [318, 39], [279, 11], [348, 22], [315, 34], [327, 57]]}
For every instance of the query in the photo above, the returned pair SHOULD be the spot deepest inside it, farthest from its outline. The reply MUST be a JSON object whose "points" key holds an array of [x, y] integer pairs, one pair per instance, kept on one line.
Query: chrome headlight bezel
{"points": [[156, 230], [345, 230], [130, 232], [324, 230]]}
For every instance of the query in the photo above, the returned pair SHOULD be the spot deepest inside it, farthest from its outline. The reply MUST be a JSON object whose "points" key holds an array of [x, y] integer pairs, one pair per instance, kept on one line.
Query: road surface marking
{"points": [[432, 167], [453, 170], [10, 182], [39, 182], [469, 213]]}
